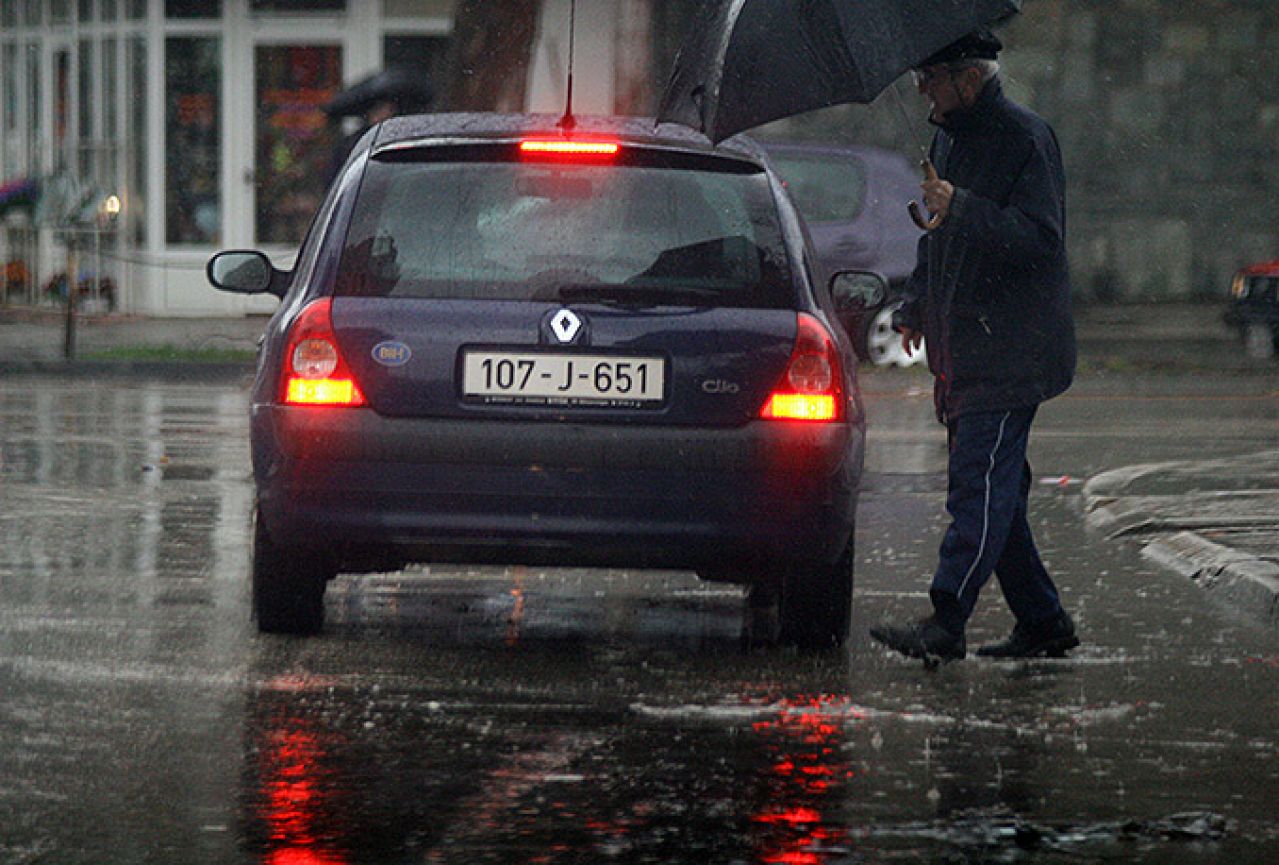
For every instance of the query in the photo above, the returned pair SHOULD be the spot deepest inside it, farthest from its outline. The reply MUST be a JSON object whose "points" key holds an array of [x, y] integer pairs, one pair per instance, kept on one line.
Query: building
{"points": [[162, 130]]}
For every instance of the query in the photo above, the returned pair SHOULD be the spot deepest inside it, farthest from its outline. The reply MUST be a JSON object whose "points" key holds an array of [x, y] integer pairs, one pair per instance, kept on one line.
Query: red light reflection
{"points": [[806, 738], [295, 801]]}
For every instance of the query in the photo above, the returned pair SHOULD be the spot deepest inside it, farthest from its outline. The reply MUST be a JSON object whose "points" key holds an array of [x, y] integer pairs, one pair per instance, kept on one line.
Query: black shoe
{"points": [[1051, 639], [923, 639]]}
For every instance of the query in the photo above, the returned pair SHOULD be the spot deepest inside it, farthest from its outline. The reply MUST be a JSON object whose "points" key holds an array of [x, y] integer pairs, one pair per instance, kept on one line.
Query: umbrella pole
{"points": [[926, 223]]}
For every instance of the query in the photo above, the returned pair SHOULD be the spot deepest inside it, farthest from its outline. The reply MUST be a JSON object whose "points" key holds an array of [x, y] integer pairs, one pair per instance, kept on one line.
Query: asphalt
{"points": [[1213, 521]]}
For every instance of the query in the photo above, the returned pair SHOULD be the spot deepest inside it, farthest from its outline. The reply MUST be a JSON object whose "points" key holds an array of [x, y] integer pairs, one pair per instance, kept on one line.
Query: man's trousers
{"points": [[986, 499]]}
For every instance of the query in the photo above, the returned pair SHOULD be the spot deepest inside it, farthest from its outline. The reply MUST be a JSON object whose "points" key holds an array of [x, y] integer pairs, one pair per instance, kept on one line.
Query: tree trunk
{"points": [[492, 47]]}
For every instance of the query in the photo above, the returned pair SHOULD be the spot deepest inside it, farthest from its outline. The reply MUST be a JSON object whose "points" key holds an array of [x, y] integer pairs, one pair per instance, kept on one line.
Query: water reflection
{"points": [[295, 794], [810, 775], [123, 516]]}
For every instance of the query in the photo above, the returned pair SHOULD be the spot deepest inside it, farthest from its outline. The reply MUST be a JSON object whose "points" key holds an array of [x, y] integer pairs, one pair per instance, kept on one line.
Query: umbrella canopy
{"points": [[408, 87], [747, 62]]}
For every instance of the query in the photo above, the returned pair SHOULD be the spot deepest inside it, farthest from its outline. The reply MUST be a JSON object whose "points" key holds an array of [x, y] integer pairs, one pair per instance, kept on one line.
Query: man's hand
{"points": [[937, 196], [911, 340]]}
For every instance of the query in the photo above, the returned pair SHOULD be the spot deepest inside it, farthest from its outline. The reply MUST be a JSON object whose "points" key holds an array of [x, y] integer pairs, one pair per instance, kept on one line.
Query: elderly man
{"points": [[990, 293]]}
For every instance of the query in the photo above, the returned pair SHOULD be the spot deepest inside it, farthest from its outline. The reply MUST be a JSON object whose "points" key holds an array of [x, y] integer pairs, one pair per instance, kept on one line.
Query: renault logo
{"points": [[565, 325]]}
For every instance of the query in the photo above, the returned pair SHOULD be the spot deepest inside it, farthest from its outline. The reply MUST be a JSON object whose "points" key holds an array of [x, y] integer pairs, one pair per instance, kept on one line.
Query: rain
{"points": [[456, 713], [453, 713]]}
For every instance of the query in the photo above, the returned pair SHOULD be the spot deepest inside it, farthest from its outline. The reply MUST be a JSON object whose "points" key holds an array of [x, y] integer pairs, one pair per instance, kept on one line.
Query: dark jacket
{"points": [[990, 290]]}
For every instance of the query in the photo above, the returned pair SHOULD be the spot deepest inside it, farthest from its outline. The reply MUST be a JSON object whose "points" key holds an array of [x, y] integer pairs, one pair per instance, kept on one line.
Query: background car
{"points": [[1254, 308], [854, 201], [502, 343]]}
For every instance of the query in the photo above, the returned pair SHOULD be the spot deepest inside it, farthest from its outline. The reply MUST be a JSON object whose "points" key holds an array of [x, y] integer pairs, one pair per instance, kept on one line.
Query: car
{"points": [[854, 199], [1254, 308], [508, 339]]}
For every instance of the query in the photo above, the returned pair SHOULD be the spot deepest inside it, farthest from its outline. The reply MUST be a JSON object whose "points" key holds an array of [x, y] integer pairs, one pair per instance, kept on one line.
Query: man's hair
{"points": [[988, 68]]}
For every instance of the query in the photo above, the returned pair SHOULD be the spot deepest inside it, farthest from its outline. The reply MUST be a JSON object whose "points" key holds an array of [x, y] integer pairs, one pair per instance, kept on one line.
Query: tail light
{"points": [[564, 149], [812, 387], [314, 371]]}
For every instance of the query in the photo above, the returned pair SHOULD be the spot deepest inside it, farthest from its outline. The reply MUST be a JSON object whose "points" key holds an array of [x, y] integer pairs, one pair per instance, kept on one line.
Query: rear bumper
{"points": [[382, 491]]}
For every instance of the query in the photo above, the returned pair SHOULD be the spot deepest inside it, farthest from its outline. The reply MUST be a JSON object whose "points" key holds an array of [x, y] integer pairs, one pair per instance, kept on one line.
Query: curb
{"points": [[1169, 523], [1247, 582]]}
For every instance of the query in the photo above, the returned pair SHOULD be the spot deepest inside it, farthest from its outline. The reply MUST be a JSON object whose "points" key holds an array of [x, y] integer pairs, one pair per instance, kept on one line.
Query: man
{"points": [[991, 295]]}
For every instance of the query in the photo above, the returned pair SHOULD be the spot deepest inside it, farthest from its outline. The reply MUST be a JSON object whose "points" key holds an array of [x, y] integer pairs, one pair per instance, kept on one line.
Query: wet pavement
{"points": [[522, 715]]}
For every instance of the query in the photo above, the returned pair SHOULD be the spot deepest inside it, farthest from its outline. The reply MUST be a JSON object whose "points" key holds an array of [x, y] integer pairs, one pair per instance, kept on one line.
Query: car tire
{"points": [[817, 602], [288, 586], [883, 344]]}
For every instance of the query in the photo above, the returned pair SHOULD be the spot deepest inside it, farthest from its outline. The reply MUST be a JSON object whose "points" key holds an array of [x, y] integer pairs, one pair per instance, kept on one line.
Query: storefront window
{"points": [[110, 124], [86, 91], [297, 5], [110, 87], [8, 13], [59, 12], [9, 82], [35, 13], [136, 140], [418, 8], [295, 144], [61, 109], [193, 8], [86, 10], [192, 74], [33, 112]]}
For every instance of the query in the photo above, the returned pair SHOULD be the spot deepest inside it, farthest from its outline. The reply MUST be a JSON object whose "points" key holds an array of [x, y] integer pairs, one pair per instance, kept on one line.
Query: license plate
{"points": [[527, 378]]}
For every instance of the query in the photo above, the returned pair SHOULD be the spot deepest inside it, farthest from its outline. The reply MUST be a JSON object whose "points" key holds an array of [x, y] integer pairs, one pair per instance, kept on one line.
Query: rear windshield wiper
{"points": [[633, 295]]}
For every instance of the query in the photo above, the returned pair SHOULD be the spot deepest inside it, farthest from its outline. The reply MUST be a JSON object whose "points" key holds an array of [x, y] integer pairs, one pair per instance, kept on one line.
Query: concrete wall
{"points": [[1168, 115]]}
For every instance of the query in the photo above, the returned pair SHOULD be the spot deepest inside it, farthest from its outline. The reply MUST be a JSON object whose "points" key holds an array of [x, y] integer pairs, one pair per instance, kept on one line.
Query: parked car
{"points": [[1254, 308], [505, 343], [854, 200]]}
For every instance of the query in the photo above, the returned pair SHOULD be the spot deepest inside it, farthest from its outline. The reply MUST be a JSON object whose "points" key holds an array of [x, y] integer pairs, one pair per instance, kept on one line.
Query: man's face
{"points": [[945, 88]]}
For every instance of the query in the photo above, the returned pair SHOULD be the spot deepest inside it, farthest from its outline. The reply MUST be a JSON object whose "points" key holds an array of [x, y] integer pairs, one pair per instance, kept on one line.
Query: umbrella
{"points": [[747, 62], [408, 87]]}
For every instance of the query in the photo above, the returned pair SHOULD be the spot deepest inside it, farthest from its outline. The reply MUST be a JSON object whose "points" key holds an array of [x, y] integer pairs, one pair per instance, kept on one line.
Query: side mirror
{"points": [[245, 272], [855, 290]]}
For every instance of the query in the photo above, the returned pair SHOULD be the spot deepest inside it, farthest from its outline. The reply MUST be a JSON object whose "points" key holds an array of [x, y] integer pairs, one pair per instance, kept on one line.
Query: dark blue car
{"points": [[504, 343]]}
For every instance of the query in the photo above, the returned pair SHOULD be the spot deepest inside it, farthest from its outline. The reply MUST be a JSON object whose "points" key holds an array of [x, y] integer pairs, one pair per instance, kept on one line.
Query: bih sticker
{"points": [[392, 353]]}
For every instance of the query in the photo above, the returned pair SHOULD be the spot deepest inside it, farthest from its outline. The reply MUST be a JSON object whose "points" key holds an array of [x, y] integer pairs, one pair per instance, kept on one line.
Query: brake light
{"points": [[812, 388], [568, 149], [314, 371]]}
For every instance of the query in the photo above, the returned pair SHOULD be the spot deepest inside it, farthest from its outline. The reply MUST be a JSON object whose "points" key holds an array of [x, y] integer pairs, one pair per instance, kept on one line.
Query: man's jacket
{"points": [[990, 290]]}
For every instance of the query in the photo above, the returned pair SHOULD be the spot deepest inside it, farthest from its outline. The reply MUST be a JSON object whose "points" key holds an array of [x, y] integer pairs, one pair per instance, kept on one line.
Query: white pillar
{"points": [[594, 63]]}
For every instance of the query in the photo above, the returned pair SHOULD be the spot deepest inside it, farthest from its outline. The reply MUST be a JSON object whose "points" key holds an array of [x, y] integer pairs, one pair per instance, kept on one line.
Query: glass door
{"points": [[294, 142]]}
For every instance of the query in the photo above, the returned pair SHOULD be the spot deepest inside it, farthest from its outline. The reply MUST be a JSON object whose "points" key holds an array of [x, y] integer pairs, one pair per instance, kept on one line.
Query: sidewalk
{"points": [[1213, 521], [1216, 521], [35, 341]]}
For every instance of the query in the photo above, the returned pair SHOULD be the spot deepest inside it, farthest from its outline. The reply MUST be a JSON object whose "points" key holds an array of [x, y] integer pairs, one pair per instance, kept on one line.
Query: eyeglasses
{"points": [[927, 75]]}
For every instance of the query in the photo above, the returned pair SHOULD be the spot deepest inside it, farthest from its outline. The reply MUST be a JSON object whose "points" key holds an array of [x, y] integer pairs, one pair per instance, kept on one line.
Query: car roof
{"points": [[1263, 268], [408, 129]]}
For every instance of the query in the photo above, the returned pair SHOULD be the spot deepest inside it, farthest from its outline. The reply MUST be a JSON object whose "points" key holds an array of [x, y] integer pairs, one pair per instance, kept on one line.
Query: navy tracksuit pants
{"points": [[989, 483]]}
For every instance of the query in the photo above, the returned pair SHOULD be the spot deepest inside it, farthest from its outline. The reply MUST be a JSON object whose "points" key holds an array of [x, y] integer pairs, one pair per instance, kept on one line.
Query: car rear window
{"points": [[494, 228], [825, 188]]}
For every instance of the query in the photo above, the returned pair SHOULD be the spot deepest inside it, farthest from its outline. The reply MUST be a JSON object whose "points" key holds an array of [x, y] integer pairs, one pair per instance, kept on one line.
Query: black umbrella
{"points": [[746, 62], [406, 86]]}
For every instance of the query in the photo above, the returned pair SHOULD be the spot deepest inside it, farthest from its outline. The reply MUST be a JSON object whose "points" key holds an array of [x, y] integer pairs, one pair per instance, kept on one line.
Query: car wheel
{"points": [[288, 586], [884, 345], [817, 602], [1259, 341]]}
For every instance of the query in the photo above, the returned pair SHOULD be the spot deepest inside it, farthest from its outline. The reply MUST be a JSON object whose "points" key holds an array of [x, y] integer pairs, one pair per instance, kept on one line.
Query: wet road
{"points": [[524, 715]]}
